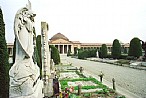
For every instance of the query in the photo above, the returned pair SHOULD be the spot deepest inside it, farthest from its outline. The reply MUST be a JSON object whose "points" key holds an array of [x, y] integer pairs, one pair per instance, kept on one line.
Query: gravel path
{"points": [[131, 79]]}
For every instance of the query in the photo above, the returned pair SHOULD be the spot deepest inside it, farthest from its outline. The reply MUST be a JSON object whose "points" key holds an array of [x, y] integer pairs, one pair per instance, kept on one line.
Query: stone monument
{"points": [[47, 79], [25, 74], [97, 54]]}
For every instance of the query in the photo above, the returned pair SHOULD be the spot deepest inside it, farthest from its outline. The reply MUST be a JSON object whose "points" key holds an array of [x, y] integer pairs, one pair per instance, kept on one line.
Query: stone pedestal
{"points": [[25, 80]]}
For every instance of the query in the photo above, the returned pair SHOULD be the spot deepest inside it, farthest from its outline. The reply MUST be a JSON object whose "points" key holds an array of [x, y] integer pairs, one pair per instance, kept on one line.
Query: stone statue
{"points": [[25, 74], [23, 28]]}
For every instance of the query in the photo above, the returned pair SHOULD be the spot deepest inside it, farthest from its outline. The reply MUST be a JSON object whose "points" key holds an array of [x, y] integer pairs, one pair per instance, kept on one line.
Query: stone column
{"points": [[63, 49], [59, 48], [72, 49], [67, 48], [48, 86]]}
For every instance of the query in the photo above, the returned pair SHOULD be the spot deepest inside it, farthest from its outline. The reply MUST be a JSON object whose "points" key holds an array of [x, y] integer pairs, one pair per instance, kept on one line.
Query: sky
{"points": [[87, 21]]}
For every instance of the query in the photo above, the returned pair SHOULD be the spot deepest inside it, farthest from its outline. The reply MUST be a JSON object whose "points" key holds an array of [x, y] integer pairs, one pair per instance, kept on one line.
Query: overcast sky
{"points": [[95, 21]]}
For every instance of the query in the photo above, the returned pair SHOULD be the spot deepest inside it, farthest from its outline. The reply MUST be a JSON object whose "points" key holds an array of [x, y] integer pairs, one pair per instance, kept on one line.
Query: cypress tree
{"points": [[38, 47], [55, 54], [116, 49], [103, 51], [135, 48], [4, 64]]}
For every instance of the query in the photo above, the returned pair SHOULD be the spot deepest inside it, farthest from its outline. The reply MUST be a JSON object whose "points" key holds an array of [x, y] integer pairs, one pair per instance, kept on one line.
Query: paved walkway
{"points": [[130, 82]]}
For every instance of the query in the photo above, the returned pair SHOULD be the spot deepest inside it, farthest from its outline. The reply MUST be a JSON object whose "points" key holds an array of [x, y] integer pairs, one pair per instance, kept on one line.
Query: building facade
{"points": [[63, 44]]}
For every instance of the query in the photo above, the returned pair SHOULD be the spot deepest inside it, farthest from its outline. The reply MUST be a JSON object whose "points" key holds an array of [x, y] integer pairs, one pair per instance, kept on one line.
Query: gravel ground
{"points": [[131, 79]]}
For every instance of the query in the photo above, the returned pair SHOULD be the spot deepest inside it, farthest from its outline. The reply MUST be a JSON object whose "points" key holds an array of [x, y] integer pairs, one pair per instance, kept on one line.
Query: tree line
{"points": [[135, 51]]}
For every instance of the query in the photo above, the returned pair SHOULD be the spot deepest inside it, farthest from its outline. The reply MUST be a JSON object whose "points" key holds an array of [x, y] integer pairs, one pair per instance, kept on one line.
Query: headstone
{"points": [[25, 74]]}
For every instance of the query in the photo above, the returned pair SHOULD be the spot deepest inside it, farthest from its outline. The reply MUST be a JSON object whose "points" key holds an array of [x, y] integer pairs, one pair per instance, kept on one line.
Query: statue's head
{"points": [[23, 17], [27, 12]]}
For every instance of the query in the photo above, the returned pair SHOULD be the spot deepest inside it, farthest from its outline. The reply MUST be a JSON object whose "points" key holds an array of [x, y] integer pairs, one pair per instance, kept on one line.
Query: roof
{"points": [[59, 36], [95, 44], [10, 44], [76, 42]]}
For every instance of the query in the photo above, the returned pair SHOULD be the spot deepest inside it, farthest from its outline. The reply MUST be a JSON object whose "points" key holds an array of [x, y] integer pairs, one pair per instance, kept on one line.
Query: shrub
{"points": [[109, 56], [135, 48], [103, 51], [130, 57], [116, 49], [123, 57], [83, 54]]}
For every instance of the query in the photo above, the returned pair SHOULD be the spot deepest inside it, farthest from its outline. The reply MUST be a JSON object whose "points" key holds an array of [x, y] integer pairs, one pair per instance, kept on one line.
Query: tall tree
{"points": [[103, 51], [38, 46], [116, 49], [4, 64], [135, 48], [55, 54]]}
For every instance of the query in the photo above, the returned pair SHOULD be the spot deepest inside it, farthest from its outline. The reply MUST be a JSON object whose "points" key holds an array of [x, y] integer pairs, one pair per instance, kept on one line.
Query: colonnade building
{"points": [[63, 44]]}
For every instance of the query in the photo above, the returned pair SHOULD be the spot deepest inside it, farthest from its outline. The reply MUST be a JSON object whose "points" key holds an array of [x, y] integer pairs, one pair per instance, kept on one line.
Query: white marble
{"points": [[24, 74], [46, 57]]}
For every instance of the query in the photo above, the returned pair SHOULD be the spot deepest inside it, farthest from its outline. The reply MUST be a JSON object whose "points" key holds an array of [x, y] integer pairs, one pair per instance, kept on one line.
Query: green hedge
{"points": [[83, 54]]}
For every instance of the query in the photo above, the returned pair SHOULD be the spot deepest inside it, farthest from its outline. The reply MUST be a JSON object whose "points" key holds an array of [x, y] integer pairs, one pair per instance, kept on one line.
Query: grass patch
{"points": [[122, 61], [64, 83]]}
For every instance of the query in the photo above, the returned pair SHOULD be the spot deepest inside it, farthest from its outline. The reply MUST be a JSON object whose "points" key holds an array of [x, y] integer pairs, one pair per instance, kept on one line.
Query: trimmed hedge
{"points": [[135, 48], [83, 54]]}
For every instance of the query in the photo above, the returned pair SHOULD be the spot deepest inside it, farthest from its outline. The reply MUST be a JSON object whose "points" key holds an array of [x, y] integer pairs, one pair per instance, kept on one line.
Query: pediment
{"points": [[58, 41]]}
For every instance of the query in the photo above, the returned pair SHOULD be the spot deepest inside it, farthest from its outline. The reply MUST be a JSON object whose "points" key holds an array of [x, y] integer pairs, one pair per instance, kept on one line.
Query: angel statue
{"points": [[24, 74], [24, 32]]}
